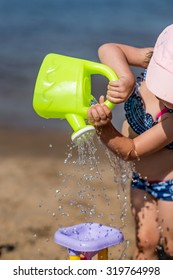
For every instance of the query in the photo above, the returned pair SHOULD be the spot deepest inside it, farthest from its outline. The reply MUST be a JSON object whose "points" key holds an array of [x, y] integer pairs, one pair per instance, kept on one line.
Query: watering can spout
{"points": [[63, 90], [82, 131]]}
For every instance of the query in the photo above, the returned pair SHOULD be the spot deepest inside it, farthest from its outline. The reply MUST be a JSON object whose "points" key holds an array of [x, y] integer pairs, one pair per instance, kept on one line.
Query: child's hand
{"points": [[99, 114], [119, 91]]}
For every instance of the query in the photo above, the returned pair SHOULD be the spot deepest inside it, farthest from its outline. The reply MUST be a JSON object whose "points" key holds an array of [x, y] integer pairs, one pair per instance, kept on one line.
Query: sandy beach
{"points": [[40, 190], [40, 193]]}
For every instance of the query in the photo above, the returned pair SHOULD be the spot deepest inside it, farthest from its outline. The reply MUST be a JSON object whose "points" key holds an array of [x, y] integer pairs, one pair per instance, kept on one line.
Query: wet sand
{"points": [[40, 193]]}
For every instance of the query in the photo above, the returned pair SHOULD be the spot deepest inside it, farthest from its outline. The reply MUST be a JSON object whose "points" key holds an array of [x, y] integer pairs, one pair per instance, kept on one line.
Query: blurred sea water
{"points": [[31, 29]]}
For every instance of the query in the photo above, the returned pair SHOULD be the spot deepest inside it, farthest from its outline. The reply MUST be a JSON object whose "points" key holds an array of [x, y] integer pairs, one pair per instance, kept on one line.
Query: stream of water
{"points": [[100, 178]]}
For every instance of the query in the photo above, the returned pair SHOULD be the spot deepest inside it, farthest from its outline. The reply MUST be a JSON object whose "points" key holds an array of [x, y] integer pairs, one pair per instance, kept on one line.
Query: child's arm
{"points": [[120, 57], [145, 144]]}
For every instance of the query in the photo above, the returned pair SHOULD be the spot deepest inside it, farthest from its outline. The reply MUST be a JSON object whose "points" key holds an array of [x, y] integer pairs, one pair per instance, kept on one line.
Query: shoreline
{"points": [[33, 142]]}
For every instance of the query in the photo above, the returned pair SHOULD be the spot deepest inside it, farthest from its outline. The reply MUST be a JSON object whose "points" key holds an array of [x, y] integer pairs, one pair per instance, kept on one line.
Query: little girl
{"points": [[147, 135]]}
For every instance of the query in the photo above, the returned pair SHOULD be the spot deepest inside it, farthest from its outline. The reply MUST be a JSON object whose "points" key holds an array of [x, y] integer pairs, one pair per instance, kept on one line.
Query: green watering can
{"points": [[63, 90]]}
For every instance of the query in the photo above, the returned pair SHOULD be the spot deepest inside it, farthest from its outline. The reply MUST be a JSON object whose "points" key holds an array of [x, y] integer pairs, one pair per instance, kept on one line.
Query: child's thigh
{"points": [[144, 210], [143, 203], [165, 211]]}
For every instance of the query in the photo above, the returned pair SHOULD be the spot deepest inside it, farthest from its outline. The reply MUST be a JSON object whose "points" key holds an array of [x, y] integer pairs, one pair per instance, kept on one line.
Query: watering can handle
{"points": [[104, 70]]}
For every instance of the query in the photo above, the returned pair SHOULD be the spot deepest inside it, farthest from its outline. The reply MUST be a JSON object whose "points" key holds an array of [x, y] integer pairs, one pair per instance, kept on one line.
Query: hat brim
{"points": [[159, 81]]}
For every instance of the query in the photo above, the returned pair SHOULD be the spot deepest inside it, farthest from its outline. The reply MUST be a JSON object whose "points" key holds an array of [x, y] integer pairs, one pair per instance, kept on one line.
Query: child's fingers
{"points": [[101, 99], [105, 112], [99, 114], [115, 97], [93, 114], [113, 83]]}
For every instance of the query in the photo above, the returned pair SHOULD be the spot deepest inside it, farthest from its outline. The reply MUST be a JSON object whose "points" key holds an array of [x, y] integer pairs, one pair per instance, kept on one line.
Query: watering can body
{"points": [[63, 88]]}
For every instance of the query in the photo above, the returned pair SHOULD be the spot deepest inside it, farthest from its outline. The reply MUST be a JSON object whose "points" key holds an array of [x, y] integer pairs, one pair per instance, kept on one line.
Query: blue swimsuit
{"points": [[140, 121]]}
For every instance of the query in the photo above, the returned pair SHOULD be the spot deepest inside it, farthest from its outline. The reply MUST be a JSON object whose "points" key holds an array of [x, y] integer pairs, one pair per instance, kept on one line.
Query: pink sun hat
{"points": [[159, 78]]}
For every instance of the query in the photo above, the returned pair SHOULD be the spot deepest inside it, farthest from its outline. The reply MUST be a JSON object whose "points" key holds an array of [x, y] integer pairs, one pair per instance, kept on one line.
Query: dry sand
{"points": [[40, 193]]}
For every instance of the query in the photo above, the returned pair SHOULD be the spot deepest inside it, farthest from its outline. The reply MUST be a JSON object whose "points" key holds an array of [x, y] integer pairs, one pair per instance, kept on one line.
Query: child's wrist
{"points": [[130, 82], [129, 78]]}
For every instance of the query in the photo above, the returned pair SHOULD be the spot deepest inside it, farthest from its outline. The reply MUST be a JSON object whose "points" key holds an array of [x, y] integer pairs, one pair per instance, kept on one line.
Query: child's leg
{"points": [[144, 210], [165, 213]]}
